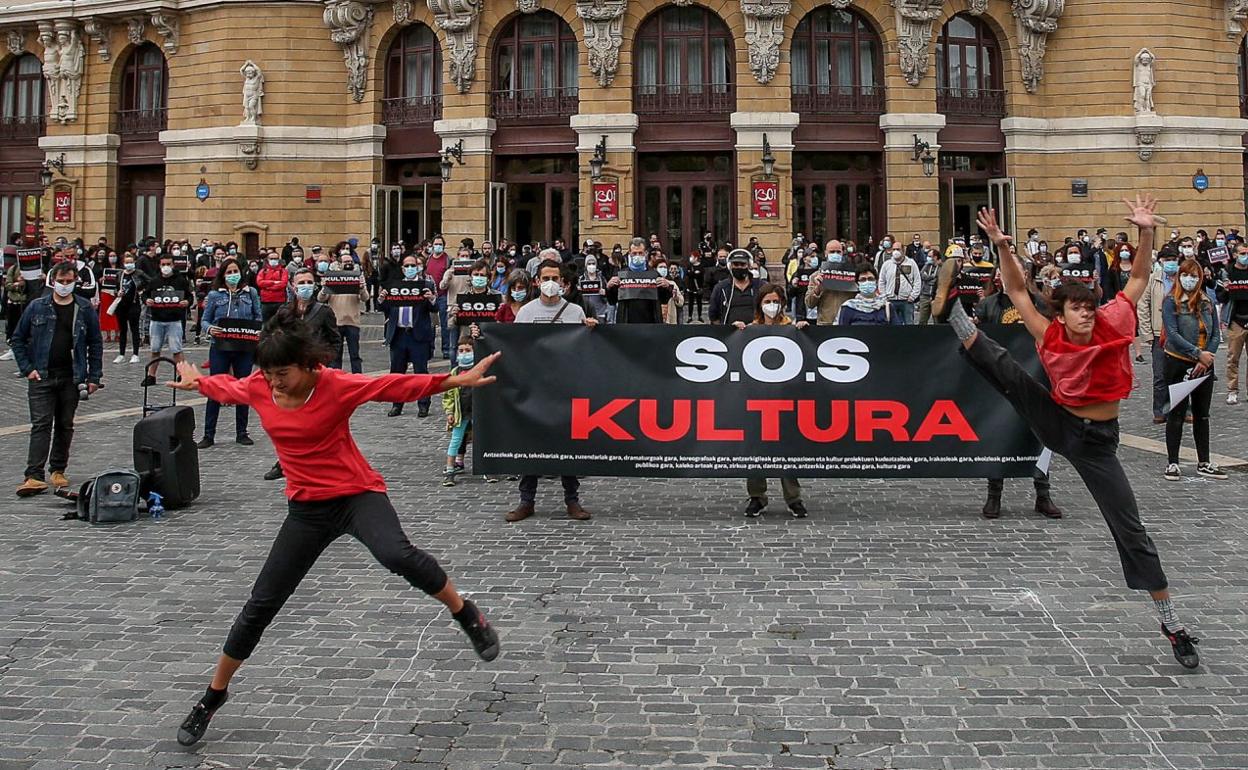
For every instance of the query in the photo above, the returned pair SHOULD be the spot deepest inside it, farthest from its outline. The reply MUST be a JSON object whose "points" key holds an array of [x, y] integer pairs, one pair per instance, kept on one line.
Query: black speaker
{"points": [[166, 457]]}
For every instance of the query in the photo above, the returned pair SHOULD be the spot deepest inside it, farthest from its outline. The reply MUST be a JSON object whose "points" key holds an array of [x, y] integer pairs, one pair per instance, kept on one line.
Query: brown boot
{"points": [[1046, 506], [575, 511], [521, 512], [992, 508], [31, 487]]}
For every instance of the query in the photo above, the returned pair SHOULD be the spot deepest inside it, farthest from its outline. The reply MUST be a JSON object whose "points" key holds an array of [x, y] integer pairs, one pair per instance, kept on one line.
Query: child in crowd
{"points": [[457, 403]]}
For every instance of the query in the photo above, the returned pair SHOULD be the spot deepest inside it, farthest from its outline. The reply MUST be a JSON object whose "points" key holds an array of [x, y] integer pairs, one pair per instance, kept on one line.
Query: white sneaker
{"points": [[134, 359], [1232, 398], [1173, 473], [119, 360], [7, 356]]}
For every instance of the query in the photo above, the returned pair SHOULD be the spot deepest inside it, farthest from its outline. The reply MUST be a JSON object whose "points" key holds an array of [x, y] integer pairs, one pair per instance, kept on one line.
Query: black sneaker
{"points": [[1184, 646], [798, 510], [274, 473], [205, 442], [395, 411], [482, 635], [245, 440], [754, 508], [422, 411], [196, 723], [148, 381]]}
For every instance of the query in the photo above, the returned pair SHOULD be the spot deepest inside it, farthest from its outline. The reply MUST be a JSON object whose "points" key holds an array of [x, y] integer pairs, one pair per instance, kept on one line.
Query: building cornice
{"points": [[40, 10]]}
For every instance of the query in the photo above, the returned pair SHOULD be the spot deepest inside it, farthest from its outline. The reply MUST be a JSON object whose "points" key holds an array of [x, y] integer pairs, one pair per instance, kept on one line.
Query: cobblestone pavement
{"points": [[892, 629]]}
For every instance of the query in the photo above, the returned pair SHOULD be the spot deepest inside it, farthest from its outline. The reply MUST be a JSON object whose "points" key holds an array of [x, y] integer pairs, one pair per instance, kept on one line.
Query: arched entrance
{"points": [[408, 206], [141, 156]]}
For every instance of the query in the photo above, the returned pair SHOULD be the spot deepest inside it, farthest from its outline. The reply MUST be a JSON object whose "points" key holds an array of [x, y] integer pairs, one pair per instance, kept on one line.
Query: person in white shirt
{"points": [[900, 284]]}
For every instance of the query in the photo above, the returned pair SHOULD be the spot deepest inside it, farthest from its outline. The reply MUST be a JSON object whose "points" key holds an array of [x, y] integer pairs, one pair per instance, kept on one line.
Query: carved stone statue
{"points": [[1144, 79], [51, 66], [604, 24], [764, 32], [253, 93], [459, 20], [72, 54], [914, 35], [349, 22]]}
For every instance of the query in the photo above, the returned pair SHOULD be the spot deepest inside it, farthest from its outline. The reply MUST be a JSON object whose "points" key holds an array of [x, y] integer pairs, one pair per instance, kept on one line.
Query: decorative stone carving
{"points": [[459, 20], [1037, 19], [251, 154], [16, 41], [914, 35], [99, 30], [70, 63], [168, 26], [51, 65], [528, 6], [402, 11], [349, 22], [840, 5], [764, 31], [978, 7], [253, 93], [1236, 13], [604, 24], [134, 29], [1143, 80], [1147, 129]]}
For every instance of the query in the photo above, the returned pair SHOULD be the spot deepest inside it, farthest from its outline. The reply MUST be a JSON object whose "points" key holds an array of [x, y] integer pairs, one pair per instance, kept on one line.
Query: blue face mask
{"points": [[519, 295], [866, 288], [479, 281], [1241, 259], [637, 263], [1170, 268], [233, 278], [305, 291], [322, 266], [410, 271], [465, 359], [500, 269], [835, 257], [1188, 282]]}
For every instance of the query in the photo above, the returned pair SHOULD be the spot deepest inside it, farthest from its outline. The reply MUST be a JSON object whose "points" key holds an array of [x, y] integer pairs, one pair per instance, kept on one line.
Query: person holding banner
{"points": [[408, 303], [638, 292], [1191, 338], [1085, 351], [232, 317], [15, 299], [834, 284], [306, 409], [167, 297], [344, 290], [1233, 294]]}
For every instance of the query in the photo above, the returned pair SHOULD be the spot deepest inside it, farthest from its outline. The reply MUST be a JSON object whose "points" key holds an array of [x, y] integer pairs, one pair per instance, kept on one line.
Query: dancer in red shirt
{"points": [[1086, 353], [306, 409]]}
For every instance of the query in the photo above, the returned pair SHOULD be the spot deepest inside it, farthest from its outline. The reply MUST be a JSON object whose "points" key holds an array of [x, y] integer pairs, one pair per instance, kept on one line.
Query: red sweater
{"points": [[1098, 372], [314, 442], [271, 281]]}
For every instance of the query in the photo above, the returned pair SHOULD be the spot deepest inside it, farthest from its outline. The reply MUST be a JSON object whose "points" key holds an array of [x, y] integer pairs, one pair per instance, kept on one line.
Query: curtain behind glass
{"points": [[648, 66]]}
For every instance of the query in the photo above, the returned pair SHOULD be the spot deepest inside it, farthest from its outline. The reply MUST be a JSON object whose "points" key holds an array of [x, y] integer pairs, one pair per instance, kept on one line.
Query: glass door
{"points": [[496, 214], [1001, 198], [387, 215], [681, 213]]}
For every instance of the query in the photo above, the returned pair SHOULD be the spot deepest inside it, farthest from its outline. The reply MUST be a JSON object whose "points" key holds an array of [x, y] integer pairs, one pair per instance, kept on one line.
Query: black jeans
{"points": [[128, 324], [1041, 479], [308, 530], [1174, 371], [1161, 394], [350, 338], [571, 489], [53, 402], [12, 314], [1090, 446]]}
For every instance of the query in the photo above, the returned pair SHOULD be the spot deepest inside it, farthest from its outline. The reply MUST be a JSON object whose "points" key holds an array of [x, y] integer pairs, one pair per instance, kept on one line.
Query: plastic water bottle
{"points": [[154, 505]]}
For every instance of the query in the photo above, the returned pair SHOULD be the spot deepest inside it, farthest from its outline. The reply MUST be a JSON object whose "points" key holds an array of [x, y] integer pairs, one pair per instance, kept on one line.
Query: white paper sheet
{"points": [[1042, 462], [1181, 390]]}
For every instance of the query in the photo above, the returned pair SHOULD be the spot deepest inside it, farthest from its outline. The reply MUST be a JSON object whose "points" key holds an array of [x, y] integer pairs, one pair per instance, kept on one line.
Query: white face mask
{"points": [[62, 290], [771, 309], [166, 270], [591, 268], [662, 271], [1187, 251], [1074, 257], [552, 289], [897, 255]]}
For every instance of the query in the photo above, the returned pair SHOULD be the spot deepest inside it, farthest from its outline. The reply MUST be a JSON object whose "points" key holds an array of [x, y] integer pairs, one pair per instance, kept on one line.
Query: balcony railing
{"points": [[972, 102], [411, 110], [534, 103], [684, 102], [838, 100], [17, 129], [151, 121]]}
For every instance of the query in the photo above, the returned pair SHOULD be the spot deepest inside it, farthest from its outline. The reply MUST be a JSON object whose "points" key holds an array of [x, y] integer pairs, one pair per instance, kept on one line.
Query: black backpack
{"points": [[111, 497]]}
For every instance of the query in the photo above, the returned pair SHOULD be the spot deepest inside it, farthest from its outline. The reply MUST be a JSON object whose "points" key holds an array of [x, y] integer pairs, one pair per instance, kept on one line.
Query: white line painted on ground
{"points": [[1185, 453]]}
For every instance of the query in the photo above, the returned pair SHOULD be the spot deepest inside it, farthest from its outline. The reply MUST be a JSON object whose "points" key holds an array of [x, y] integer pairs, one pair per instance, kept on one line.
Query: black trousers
{"points": [[12, 314], [308, 530], [128, 329], [1173, 371], [1041, 479], [53, 401], [1090, 446]]}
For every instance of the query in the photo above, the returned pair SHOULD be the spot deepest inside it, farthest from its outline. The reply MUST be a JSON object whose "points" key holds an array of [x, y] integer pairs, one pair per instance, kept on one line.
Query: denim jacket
{"points": [[1183, 328], [32, 341], [244, 303]]}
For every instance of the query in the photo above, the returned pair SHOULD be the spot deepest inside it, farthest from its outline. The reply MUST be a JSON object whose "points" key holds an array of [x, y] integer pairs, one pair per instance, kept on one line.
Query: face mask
{"points": [[812, 261], [1241, 259], [519, 295], [465, 359], [552, 289], [1055, 283], [128, 267], [322, 266], [591, 268], [500, 269], [1124, 254], [233, 252], [305, 290], [166, 270], [1170, 268], [512, 253], [479, 281], [112, 260], [1221, 241], [886, 244], [233, 278], [297, 259], [662, 271], [866, 288], [771, 309], [1187, 251], [1086, 239], [1074, 258], [897, 255], [410, 271], [63, 290], [740, 273], [835, 256], [636, 262], [438, 248], [1188, 282]]}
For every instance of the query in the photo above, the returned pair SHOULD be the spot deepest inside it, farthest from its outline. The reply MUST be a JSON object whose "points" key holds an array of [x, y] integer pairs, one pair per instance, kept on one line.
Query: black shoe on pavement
{"points": [[482, 635], [754, 508], [422, 411], [245, 440], [798, 510], [992, 508], [148, 381], [274, 473], [1184, 646], [205, 442], [395, 411], [196, 723], [1046, 506]]}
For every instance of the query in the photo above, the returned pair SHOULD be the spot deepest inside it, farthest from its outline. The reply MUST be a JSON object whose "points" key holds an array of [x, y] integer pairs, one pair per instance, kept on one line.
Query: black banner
{"points": [[1238, 287], [711, 401], [110, 280], [1078, 273], [639, 285], [236, 334], [166, 296], [838, 278], [342, 281], [462, 265], [588, 286], [411, 292], [30, 263], [473, 308], [801, 279], [972, 282]]}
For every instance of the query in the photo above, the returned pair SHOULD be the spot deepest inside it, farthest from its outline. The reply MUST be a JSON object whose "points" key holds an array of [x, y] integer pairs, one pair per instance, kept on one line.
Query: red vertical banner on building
{"points": [[63, 205], [606, 200], [765, 197]]}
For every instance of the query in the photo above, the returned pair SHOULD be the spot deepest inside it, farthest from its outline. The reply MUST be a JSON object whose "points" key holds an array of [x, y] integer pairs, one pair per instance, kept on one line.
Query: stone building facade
{"points": [[872, 114]]}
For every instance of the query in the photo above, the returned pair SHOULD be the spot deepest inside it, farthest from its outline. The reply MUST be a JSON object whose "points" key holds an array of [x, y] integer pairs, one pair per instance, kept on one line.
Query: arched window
{"points": [[837, 64], [535, 68], [144, 91], [413, 78], [21, 99], [968, 70], [683, 64]]}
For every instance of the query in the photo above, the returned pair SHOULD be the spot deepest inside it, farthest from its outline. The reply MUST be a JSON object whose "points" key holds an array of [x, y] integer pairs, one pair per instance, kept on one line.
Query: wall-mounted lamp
{"points": [[769, 160], [599, 160], [923, 152], [58, 163], [455, 151]]}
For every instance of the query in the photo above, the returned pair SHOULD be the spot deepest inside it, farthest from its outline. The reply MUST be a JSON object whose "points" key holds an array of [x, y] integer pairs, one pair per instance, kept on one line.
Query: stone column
{"points": [[913, 198], [466, 198], [91, 173], [774, 235], [619, 129]]}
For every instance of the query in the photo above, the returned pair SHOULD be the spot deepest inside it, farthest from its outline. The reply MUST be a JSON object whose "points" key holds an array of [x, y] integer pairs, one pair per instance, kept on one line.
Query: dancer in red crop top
{"points": [[1086, 354], [306, 410]]}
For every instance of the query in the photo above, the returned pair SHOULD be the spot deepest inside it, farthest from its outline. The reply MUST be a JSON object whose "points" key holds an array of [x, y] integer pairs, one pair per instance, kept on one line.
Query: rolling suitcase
{"points": [[165, 454]]}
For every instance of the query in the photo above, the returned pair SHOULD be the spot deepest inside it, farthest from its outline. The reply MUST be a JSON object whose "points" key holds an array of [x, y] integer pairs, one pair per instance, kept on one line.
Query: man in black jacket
{"points": [[732, 299], [638, 293]]}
